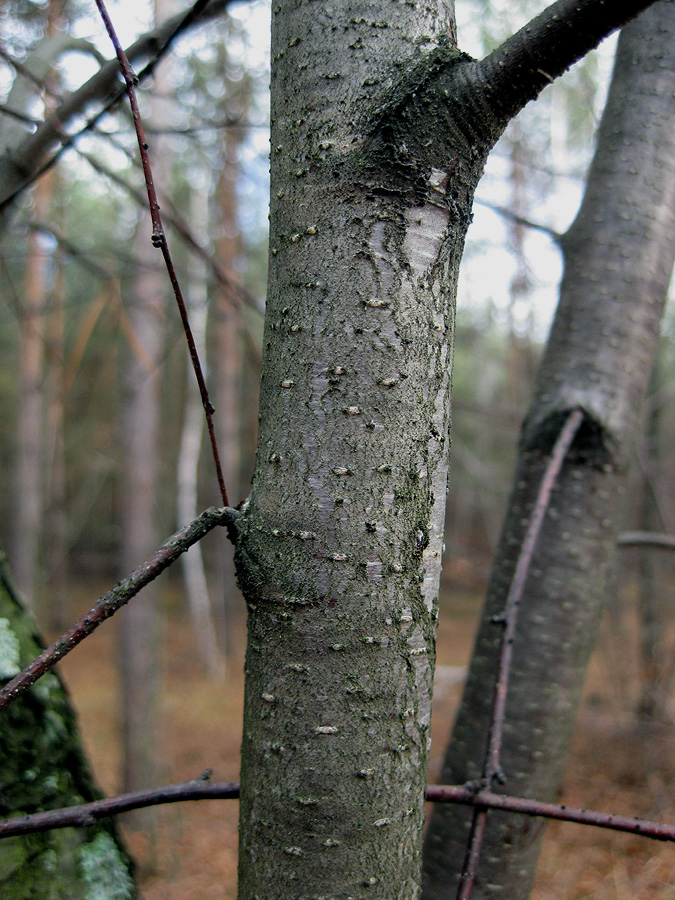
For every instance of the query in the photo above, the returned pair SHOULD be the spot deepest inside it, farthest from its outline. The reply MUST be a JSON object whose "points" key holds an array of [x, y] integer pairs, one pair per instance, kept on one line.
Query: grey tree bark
{"points": [[618, 259], [380, 129]]}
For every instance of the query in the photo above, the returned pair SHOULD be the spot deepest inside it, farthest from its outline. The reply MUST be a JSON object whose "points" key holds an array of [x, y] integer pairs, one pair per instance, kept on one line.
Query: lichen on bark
{"points": [[43, 767]]}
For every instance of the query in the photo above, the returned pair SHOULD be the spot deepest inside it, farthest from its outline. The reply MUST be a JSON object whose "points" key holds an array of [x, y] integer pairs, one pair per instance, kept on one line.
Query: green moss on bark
{"points": [[42, 766]]}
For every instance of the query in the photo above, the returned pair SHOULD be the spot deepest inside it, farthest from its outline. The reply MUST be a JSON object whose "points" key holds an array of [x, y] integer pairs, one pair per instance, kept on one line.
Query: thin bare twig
{"points": [[520, 220], [468, 797], [202, 789], [159, 239], [26, 73], [20, 116], [646, 539], [114, 599], [87, 813], [78, 254], [492, 768]]}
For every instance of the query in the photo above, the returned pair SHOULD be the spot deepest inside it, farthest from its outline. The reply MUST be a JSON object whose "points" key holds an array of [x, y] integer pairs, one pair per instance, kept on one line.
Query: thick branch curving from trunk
{"points": [[518, 70]]}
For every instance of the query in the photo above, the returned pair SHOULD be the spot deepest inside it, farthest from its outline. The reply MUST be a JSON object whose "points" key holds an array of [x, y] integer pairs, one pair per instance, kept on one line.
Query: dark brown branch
{"points": [[202, 789], [87, 813], [114, 599], [159, 240], [518, 70], [509, 620], [468, 797]]}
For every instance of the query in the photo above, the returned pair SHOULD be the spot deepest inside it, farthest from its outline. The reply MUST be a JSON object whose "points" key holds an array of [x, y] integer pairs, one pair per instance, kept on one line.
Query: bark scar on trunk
{"points": [[593, 444]]}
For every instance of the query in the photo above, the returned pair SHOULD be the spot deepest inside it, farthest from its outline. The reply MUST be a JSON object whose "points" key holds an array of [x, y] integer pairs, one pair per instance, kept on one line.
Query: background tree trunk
{"points": [[653, 694], [56, 523], [187, 476], [618, 260], [229, 367], [140, 623], [31, 430]]}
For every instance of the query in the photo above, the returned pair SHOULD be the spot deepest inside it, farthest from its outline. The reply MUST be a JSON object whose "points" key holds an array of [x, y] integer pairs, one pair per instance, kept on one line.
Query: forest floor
{"points": [[615, 765]]}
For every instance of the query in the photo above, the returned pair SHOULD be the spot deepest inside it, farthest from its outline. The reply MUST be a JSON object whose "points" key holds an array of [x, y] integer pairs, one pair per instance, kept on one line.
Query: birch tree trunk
{"points": [[380, 129], [56, 522], [618, 259], [187, 469]]}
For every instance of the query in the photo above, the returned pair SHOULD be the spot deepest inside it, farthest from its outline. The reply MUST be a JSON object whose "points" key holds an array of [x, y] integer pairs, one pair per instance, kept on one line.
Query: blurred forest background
{"points": [[101, 451]]}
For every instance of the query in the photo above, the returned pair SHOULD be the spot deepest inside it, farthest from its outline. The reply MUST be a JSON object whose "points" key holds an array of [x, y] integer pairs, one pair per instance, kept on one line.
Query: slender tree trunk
{"points": [[30, 481], [140, 625], [380, 130], [56, 524], [653, 693], [339, 556], [618, 260], [30, 445], [230, 365], [196, 583]]}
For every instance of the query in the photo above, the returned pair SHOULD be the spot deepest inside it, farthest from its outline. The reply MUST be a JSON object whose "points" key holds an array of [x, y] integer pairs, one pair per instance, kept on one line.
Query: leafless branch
{"points": [[509, 620], [114, 599], [646, 539], [203, 789], [518, 70], [25, 72], [521, 220], [467, 796], [16, 114], [87, 813], [234, 123], [236, 291], [84, 259]]}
